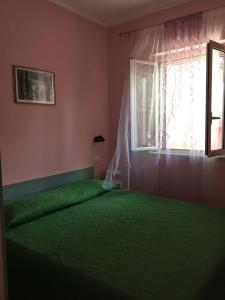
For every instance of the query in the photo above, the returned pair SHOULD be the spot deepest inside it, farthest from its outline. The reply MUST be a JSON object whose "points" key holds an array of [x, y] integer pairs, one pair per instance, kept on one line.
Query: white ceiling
{"points": [[113, 12]]}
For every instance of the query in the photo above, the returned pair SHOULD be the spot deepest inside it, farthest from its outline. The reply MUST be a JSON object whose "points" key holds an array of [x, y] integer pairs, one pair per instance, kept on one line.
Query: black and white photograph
{"points": [[34, 86]]}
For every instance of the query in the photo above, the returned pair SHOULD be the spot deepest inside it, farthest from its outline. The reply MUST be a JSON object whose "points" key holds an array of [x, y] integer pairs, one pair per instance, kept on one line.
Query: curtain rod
{"points": [[128, 33]]}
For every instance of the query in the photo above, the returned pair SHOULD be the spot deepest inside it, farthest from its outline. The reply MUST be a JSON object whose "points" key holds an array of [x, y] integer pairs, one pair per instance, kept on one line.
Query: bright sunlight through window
{"points": [[168, 104]]}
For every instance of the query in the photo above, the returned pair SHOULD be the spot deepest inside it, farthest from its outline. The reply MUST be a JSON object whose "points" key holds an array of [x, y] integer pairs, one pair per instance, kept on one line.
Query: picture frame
{"points": [[34, 86]]}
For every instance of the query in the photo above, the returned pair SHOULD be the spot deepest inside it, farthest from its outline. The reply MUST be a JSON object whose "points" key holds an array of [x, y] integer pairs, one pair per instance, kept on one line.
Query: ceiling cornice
{"points": [[152, 10], [132, 16], [78, 12]]}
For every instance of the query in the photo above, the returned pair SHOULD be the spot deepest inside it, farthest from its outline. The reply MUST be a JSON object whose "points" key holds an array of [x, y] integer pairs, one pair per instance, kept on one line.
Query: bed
{"points": [[80, 241]]}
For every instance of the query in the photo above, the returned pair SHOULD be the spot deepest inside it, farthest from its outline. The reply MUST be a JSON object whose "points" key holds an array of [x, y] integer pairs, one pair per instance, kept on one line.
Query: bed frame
{"points": [[3, 277], [13, 191]]}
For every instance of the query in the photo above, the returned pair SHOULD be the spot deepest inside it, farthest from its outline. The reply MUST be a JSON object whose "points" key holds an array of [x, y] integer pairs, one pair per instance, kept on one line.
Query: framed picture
{"points": [[34, 86]]}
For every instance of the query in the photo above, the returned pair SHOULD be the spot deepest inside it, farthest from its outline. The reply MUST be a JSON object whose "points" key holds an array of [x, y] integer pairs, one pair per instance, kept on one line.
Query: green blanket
{"points": [[117, 245]]}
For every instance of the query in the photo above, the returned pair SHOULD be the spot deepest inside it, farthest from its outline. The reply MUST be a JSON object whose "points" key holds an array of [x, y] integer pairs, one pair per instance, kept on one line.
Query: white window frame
{"points": [[133, 105]]}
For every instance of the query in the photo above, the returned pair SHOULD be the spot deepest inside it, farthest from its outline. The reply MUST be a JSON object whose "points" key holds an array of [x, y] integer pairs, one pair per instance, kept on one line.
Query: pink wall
{"points": [[120, 48], [38, 140]]}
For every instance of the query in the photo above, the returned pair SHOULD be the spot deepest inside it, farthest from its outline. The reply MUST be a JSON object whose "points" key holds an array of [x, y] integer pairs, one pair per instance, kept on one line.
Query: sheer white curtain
{"points": [[161, 135]]}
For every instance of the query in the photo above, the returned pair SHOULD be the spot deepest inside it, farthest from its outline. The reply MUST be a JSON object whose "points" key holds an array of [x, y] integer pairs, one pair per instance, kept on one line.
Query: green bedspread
{"points": [[115, 245]]}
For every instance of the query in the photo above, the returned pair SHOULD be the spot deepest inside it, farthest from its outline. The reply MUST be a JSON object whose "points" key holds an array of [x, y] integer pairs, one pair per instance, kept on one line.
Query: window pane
{"points": [[146, 106], [185, 104], [217, 99]]}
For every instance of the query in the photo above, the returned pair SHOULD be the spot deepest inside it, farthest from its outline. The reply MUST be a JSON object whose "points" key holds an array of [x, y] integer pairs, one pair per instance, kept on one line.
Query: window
{"points": [[165, 117], [145, 81], [215, 136]]}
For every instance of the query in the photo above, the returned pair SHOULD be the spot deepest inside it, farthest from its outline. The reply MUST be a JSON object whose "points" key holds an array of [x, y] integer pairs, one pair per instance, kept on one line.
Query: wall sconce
{"points": [[99, 139]]}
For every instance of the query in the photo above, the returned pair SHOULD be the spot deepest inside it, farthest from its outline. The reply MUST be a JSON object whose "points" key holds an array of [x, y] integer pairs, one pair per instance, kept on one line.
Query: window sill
{"points": [[172, 152]]}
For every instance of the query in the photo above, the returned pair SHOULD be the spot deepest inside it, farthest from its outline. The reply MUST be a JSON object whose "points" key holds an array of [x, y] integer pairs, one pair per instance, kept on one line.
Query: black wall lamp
{"points": [[99, 139]]}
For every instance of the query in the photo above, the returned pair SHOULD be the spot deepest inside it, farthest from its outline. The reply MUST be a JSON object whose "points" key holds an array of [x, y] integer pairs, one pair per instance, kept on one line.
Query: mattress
{"points": [[80, 241]]}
